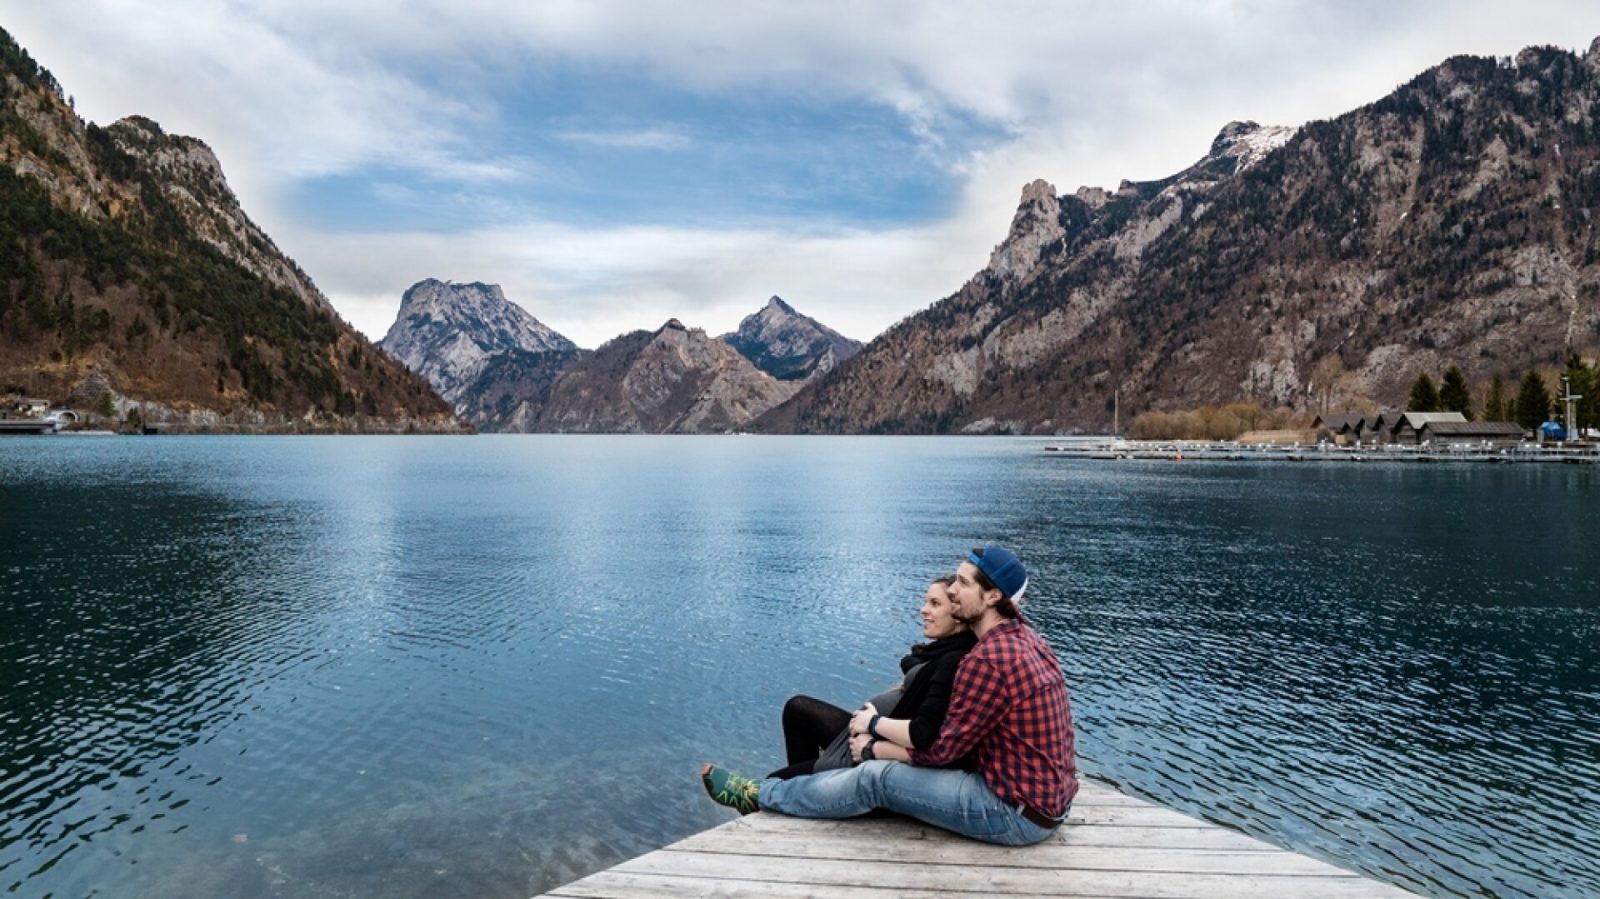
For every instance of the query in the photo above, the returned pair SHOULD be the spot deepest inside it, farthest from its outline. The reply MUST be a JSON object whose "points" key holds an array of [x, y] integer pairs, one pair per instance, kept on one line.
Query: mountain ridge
{"points": [[504, 371], [126, 264], [1446, 222]]}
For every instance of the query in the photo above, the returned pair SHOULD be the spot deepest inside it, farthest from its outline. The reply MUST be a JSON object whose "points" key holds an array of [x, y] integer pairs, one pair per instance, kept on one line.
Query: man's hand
{"points": [[860, 720], [858, 743]]}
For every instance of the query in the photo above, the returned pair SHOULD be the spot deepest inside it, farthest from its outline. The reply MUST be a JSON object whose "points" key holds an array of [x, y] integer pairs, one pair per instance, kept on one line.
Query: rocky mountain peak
{"points": [[1037, 223], [193, 181], [788, 345], [447, 332], [1247, 142], [1092, 197], [188, 159]]}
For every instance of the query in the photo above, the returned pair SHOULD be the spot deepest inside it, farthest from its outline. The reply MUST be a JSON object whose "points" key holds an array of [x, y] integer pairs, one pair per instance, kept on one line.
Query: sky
{"points": [[615, 164]]}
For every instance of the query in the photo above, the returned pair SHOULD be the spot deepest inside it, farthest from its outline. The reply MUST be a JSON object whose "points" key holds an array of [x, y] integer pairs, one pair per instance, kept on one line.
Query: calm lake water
{"points": [[469, 667]]}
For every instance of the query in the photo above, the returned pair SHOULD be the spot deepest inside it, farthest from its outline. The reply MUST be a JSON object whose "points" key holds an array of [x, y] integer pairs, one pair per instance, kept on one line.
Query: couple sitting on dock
{"points": [[977, 739]]}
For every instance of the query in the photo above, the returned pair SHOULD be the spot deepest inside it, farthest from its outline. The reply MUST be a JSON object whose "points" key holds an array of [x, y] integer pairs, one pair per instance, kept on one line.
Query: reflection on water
{"points": [[486, 666]]}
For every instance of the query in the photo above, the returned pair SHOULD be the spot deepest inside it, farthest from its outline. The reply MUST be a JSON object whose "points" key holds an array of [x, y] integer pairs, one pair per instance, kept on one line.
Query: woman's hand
{"points": [[858, 743], [860, 721]]}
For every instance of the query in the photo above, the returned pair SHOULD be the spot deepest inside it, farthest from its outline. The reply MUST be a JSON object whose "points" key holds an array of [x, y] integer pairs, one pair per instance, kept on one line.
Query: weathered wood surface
{"points": [[1111, 846]]}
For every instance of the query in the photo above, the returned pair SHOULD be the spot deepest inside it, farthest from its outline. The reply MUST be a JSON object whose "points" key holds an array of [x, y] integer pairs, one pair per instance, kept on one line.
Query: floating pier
{"points": [[1228, 452], [26, 426], [1111, 845]]}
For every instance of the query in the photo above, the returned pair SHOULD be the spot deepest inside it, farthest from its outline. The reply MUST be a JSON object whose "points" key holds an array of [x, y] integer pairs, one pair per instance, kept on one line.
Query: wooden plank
{"points": [[967, 852], [1143, 815], [1195, 836], [1094, 794], [617, 885], [1112, 846], [919, 877]]}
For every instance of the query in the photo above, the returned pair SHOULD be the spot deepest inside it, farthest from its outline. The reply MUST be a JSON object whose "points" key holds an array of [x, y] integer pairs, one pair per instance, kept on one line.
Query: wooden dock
{"points": [[26, 426], [1111, 845]]}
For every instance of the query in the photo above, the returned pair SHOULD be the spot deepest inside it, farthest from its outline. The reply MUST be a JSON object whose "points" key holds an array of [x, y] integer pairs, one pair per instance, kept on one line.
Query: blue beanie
{"points": [[1003, 569]]}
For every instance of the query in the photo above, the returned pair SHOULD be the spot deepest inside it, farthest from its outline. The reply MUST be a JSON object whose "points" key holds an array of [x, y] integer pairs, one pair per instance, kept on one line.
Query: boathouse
{"points": [[1382, 425], [1490, 434], [1342, 429], [1407, 427]]}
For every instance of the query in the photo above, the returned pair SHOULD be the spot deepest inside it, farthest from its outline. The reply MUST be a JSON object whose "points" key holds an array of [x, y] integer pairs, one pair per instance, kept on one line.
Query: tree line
{"points": [[1536, 401]]}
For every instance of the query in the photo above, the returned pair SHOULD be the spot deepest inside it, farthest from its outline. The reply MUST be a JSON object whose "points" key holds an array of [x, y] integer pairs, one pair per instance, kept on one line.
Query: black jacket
{"points": [[930, 672]]}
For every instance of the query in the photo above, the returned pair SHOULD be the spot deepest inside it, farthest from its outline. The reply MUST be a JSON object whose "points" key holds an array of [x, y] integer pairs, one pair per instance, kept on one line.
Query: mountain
{"points": [[790, 346], [511, 390], [449, 332], [675, 380], [1451, 221], [504, 371], [132, 281]]}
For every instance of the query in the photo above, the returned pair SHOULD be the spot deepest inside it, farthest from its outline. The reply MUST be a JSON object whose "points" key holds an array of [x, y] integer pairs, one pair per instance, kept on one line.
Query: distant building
{"points": [[30, 406], [1407, 427], [1414, 428], [1342, 429], [1493, 434], [1382, 425]]}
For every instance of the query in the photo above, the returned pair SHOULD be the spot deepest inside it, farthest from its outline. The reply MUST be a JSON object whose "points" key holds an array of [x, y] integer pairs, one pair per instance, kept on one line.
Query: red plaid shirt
{"points": [[1010, 702]]}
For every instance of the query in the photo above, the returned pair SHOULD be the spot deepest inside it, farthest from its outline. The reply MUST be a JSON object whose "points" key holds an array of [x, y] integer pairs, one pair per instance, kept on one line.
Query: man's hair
{"points": [[1005, 606]]}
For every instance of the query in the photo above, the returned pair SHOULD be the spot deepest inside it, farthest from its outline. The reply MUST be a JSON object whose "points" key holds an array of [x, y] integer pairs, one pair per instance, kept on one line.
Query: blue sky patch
{"points": [[627, 152]]}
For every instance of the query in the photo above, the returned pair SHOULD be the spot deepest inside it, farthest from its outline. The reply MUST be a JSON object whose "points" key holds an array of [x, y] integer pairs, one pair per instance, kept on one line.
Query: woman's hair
{"points": [[1006, 607], [945, 581]]}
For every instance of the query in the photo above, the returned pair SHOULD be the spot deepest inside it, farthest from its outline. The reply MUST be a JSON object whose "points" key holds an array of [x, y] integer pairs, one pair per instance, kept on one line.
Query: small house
{"points": [[1341, 428], [1407, 427], [1487, 434]]}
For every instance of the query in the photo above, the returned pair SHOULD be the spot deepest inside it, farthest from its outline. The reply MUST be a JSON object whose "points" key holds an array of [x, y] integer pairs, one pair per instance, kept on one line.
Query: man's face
{"points": [[968, 600]]}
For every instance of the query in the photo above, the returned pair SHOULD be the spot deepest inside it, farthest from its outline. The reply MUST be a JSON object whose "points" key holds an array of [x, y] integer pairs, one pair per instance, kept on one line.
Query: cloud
{"points": [[664, 139], [295, 94]]}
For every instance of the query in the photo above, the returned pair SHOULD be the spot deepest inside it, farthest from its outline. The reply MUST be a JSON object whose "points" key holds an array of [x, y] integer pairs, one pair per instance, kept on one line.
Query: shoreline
{"points": [[1228, 451]]}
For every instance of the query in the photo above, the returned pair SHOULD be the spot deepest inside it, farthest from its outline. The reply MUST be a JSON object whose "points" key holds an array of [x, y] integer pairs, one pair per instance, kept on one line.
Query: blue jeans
{"points": [[957, 801]]}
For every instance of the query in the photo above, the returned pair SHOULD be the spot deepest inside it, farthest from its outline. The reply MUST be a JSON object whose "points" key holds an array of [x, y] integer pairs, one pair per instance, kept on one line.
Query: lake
{"points": [[485, 666]]}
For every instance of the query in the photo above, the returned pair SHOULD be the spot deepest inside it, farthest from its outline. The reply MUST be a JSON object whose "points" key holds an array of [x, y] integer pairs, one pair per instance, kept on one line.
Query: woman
{"points": [[817, 735]]}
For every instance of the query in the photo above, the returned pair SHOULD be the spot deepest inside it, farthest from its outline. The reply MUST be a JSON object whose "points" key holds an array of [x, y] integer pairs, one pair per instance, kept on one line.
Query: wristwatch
{"points": [[867, 754]]}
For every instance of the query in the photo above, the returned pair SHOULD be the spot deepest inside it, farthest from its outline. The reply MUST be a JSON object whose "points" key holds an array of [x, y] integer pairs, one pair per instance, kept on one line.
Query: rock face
{"points": [[790, 346], [676, 380], [194, 184], [506, 372], [1450, 222], [448, 333], [511, 390], [128, 269]]}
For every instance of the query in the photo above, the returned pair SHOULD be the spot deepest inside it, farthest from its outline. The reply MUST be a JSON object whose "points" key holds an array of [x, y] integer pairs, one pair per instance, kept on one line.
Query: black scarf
{"points": [[927, 652]]}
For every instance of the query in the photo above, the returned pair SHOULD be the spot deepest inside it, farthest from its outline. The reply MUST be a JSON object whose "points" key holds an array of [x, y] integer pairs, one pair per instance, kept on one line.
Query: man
{"points": [[1008, 705]]}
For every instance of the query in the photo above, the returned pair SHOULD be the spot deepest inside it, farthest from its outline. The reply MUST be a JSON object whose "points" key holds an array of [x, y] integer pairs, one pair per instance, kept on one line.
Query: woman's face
{"points": [[937, 621]]}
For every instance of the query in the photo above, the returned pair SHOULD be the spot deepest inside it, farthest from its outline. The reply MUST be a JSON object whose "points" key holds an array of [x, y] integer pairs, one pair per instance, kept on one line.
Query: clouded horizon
{"points": [[616, 164]]}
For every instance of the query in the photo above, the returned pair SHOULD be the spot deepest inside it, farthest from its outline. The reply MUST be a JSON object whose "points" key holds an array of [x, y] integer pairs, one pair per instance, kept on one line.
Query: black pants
{"points": [[809, 725]]}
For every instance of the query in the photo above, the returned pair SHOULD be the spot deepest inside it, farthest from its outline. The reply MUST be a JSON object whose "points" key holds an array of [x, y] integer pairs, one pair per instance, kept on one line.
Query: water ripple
{"points": [[484, 667]]}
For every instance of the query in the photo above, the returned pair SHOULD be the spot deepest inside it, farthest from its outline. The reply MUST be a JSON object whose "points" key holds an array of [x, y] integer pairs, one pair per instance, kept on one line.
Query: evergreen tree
{"points": [[1494, 402], [1582, 381], [1533, 401], [1424, 396], [1453, 393]]}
